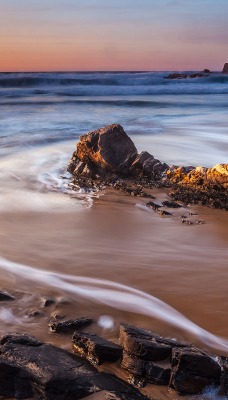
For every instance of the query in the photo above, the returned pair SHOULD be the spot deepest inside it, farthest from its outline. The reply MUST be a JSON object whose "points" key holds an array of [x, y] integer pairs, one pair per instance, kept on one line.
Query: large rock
{"points": [[225, 68], [31, 369], [103, 151], [193, 371]]}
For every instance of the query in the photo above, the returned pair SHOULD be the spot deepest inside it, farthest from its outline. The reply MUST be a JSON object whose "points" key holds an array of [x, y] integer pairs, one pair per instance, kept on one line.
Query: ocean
{"points": [[66, 245]]}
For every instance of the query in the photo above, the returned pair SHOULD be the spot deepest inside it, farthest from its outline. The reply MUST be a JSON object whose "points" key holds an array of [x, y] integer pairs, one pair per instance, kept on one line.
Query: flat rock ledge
{"points": [[108, 157], [32, 369]]}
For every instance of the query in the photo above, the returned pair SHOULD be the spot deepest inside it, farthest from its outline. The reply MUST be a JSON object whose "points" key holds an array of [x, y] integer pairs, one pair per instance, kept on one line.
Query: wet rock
{"points": [[31, 369], [171, 204], [70, 325], [153, 205], [202, 74], [47, 301], [35, 313], [193, 371], [163, 212], [176, 76], [146, 165], [157, 208], [206, 71], [157, 374], [224, 376], [103, 151], [145, 371], [96, 349], [200, 185], [5, 296], [225, 68], [215, 177], [144, 344]]}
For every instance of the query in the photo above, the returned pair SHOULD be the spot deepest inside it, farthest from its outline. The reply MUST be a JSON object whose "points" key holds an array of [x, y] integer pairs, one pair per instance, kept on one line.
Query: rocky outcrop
{"points": [[200, 176], [200, 185], [108, 156], [225, 68], [110, 151], [177, 75], [31, 369]]}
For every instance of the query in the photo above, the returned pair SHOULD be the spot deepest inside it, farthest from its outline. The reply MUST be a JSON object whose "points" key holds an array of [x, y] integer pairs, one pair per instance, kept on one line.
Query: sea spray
{"points": [[117, 296]]}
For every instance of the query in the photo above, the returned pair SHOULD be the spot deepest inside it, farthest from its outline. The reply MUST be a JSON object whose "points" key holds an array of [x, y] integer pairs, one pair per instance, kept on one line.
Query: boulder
{"points": [[106, 150], [225, 68], [96, 349], [145, 344], [32, 369], [193, 371]]}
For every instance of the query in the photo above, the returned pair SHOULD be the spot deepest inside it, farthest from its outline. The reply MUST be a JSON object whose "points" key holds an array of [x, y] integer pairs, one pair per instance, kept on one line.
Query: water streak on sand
{"points": [[115, 295]]}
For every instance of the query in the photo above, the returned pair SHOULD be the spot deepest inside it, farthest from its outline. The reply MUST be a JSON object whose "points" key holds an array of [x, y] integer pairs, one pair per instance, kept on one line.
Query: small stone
{"points": [[153, 205], [35, 313], [171, 204], [70, 325], [95, 348], [5, 296], [47, 301]]}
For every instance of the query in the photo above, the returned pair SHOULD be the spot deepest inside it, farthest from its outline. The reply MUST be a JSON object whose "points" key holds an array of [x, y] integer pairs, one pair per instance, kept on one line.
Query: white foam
{"points": [[106, 322], [8, 317], [118, 296]]}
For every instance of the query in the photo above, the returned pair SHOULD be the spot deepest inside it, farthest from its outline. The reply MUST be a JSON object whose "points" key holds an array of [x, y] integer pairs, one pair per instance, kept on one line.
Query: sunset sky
{"points": [[113, 34]]}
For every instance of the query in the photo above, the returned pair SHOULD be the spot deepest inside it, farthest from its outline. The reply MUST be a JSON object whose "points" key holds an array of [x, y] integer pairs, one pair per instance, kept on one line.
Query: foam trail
{"points": [[117, 296]]}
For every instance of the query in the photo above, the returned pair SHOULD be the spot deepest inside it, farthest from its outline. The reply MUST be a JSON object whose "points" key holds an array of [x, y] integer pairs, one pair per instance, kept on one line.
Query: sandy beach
{"points": [[118, 239]]}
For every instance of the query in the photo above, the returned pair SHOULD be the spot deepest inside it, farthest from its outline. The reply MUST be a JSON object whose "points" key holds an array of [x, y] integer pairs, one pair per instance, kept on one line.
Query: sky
{"points": [[86, 35]]}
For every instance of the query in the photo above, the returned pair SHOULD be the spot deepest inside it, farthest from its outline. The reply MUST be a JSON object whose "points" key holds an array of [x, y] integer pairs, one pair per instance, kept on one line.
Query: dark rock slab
{"points": [[70, 325], [144, 344], [146, 371], [96, 349], [29, 368], [5, 296], [193, 371]]}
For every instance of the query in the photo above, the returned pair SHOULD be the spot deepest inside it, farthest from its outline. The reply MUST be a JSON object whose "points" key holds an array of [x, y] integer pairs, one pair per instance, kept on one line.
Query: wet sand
{"points": [[120, 240]]}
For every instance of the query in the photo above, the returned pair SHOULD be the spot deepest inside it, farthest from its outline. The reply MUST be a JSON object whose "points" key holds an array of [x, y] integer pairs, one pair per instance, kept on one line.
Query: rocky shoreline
{"points": [[108, 157], [30, 368]]}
